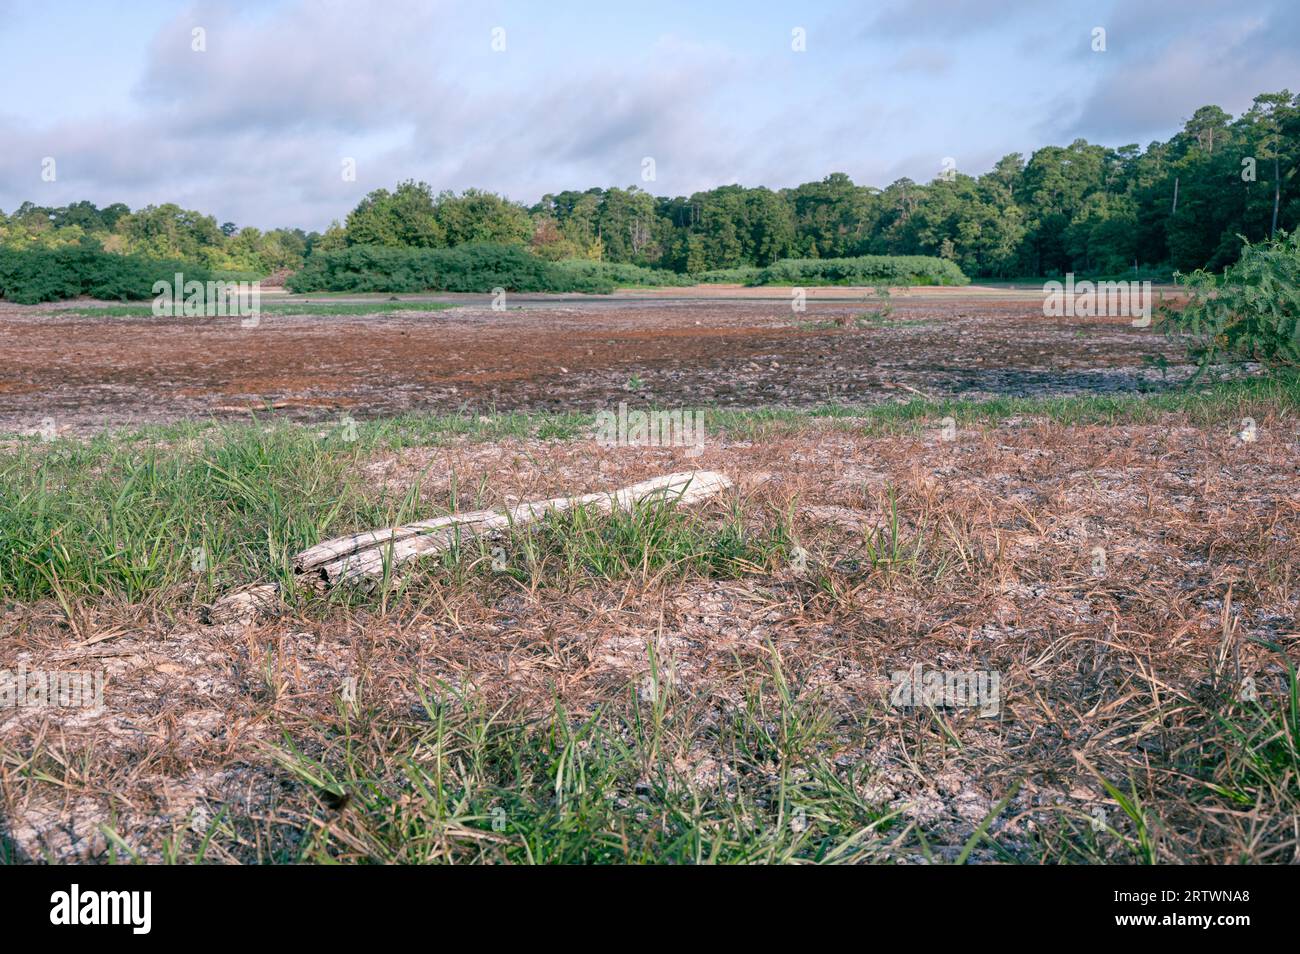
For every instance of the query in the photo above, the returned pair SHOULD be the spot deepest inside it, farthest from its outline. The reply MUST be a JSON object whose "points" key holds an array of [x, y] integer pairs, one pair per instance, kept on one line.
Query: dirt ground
{"points": [[1100, 667], [1107, 669], [569, 355]]}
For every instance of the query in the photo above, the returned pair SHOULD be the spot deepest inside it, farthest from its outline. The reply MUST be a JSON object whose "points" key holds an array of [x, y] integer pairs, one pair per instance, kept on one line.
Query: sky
{"points": [[526, 98]]}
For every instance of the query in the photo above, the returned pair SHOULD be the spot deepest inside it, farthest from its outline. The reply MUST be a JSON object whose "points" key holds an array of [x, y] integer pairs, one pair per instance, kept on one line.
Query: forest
{"points": [[1178, 205]]}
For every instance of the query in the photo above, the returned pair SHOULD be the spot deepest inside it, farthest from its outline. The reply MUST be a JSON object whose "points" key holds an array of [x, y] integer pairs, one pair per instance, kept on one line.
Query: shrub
{"points": [[619, 274], [1251, 313], [482, 267], [864, 270], [741, 275], [465, 268], [34, 275]]}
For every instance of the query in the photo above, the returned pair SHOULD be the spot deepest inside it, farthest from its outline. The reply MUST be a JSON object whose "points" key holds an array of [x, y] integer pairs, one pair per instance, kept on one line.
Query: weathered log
{"points": [[332, 550], [362, 555]]}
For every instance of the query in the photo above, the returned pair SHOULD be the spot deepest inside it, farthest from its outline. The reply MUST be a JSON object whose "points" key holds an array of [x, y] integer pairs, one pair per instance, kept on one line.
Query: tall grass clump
{"points": [[110, 518], [472, 785], [654, 539]]}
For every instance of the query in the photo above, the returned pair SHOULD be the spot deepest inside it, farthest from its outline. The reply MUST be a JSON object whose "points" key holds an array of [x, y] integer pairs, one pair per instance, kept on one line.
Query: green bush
{"points": [[864, 270], [1250, 313], [34, 275], [481, 267], [741, 275], [464, 268], [620, 275]]}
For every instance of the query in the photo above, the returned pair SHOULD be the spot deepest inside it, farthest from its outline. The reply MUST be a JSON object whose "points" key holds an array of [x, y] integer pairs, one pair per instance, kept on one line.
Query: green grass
{"points": [[142, 520], [1239, 756], [653, 540], [117, 519], [1221, 403], [470, 785], [123, 513], [1162, 275]]}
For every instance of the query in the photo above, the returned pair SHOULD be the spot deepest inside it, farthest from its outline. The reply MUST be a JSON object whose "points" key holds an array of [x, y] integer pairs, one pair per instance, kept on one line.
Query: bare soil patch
{"points": [[87, 373], [1103, 669]]}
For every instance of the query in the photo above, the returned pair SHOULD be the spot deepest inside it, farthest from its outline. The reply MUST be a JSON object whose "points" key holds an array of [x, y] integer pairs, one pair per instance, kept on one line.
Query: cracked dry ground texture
{"points": [[1197, 527]]}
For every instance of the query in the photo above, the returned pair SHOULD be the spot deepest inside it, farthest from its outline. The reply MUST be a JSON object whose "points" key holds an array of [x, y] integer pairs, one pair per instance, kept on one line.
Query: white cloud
{"points": [[254, 129]]}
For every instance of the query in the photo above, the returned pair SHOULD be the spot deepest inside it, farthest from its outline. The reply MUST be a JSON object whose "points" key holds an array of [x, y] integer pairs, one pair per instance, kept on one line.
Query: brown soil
{"points": [[572, 356], [1099, 668]]}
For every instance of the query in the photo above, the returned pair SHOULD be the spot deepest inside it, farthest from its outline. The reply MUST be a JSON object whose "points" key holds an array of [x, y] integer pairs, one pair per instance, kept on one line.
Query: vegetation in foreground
{"points": [[786, 781], [465, 784], [105, 538], [695, 746], [120, 515]]}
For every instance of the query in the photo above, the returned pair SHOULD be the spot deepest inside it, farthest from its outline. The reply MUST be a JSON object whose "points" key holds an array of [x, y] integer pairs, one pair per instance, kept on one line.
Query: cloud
{"points": [[949, 18], [332, 65], [263, 117], [255, 128], [924, 59], [1157, 72]]}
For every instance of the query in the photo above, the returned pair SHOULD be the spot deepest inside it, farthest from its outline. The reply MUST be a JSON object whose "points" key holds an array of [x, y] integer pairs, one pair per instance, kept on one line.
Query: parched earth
{"points": [[1103, 665], [1110, 668], [563, 355]]}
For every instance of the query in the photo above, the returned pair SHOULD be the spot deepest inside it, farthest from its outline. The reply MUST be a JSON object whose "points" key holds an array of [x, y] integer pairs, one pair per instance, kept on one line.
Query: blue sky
{"points": [[254, 129]]}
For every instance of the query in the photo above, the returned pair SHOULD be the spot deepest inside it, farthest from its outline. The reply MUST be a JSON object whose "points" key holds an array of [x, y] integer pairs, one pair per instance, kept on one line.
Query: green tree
{"points": [[405, 217], [478, 216]]}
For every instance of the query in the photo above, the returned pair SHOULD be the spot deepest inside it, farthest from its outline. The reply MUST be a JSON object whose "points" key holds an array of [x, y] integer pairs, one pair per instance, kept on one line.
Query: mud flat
{"points": [[570, 355]]}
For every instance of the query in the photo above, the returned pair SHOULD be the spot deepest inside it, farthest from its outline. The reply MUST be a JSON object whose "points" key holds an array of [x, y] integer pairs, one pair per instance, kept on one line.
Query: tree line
{"points": [[1185, 203], [161, 232]]}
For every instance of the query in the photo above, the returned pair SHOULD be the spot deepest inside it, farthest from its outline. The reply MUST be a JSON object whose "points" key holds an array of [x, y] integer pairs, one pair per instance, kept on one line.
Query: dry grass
{"points": [[726, 709]]}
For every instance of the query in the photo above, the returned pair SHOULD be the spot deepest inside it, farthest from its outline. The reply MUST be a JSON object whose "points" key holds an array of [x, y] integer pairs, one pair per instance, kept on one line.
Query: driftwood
{"points": [[366, 555]]}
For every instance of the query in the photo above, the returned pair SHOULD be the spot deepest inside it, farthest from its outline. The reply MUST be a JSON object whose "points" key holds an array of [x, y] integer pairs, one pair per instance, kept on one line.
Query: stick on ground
{"points": [[361, 555]]}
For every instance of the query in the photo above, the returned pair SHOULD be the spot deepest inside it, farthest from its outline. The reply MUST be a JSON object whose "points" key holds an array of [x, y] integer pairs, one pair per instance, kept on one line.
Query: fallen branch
{"points": [[370, 554]]}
